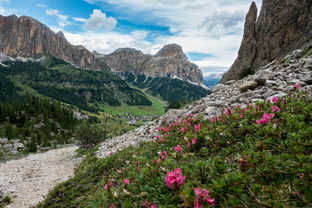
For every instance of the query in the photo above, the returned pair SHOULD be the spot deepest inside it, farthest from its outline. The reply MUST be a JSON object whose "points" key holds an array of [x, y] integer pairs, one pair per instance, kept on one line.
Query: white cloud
{"points": [[210, 26], [79, 19], [107, 42], [41, 5], [62, 19], [99, 21], [6, 11]]}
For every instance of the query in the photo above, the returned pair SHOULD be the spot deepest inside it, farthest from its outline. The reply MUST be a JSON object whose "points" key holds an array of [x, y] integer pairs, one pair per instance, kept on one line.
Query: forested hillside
{"points": [[166, 88], [32, 122], [59, 80]]}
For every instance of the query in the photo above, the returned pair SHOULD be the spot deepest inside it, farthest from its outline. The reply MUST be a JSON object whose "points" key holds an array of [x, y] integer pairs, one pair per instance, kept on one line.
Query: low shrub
{"points": [[90, 136]]}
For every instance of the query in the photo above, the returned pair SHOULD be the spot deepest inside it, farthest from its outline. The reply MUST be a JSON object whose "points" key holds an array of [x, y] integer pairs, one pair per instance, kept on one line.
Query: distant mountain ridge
{"points": [[281, 27], [26, 37], [170, 61]]}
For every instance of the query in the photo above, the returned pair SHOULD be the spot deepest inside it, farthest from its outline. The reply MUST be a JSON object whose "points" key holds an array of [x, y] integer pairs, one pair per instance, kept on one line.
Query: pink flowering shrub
{"points": [[265, 118], [197, 127], [174, 178], [178, 148], [108, 186], [202, 197], [275, 109], [274, 99], [126, 181]]}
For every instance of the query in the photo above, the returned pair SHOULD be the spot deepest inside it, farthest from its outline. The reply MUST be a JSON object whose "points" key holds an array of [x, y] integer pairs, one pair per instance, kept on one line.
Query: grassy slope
{"points": [[242, 164], [157, 107]]}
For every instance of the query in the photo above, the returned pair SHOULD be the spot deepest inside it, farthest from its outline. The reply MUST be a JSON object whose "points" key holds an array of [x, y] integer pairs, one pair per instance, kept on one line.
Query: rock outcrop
{"points": [[168, 61], [275, 79], [26, 37], [281, 27]]}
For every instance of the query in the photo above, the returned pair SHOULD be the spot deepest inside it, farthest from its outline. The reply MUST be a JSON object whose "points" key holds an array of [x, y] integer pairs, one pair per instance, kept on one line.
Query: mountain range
{"points": [[26, 37], [77, 76]]}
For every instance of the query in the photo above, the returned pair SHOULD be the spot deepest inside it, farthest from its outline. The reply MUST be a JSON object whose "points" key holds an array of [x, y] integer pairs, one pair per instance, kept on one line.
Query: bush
{"points": [[7, 199], [89, 136]]}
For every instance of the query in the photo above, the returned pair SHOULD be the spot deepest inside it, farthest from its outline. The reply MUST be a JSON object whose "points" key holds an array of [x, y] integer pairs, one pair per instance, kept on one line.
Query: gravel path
{"points": [[29, 179]]}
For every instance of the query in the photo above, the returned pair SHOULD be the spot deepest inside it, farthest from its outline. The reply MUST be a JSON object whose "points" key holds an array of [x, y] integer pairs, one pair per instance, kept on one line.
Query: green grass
{"points": [[241, 164], [157, 107]]}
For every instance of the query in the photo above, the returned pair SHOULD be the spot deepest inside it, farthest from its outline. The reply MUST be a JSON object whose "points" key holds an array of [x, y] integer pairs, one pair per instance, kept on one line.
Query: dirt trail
{"points": [[29, 179]]}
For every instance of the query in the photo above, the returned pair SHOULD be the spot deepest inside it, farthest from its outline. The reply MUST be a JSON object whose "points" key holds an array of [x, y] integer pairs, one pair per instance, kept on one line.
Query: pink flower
{"points": [[189, 145], [265, 118], [163, 130], [175, 178], [194, 140], [202, 196], [197, 127], [112, 205], [184, 129], [274, 99], [227, 111], [108, 186], [275, 109], [178, 148], [163, 155], [126, 181], [297, 86], [241, 116], [149, 205]]}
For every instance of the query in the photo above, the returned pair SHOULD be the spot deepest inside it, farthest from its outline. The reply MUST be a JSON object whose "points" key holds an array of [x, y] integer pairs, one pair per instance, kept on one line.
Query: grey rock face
{"points": [[170, 60], [27, 37], [281, 27]]}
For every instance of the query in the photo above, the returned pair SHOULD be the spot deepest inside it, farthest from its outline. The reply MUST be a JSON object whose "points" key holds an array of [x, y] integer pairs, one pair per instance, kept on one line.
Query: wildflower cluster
{"points": [[175, 178], [202, 197]]}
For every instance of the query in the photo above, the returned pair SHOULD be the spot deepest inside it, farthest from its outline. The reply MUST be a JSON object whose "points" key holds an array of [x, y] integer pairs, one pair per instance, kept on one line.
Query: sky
{"points": [[209, 31]]}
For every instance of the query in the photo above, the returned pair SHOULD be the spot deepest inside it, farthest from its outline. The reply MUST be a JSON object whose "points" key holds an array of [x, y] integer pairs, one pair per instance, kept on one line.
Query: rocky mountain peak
{"points": [[170, 60], [282, 26], [171, 50], [26, 37], [128, 52], [61, 36]]}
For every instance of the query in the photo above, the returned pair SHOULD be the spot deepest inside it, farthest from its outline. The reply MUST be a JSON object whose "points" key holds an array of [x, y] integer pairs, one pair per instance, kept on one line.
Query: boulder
{"points": [[250, 85]]}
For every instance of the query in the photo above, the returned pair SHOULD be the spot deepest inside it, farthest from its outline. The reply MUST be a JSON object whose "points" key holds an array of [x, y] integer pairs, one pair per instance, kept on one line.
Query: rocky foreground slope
{"points": [[281, 27], [276, 79]]}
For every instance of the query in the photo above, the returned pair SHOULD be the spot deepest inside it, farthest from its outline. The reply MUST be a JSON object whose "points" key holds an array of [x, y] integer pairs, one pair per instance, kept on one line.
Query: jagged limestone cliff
{"points": [[281, 27]]}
